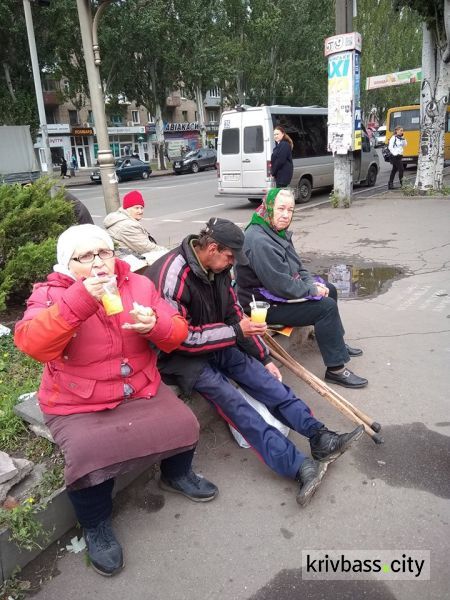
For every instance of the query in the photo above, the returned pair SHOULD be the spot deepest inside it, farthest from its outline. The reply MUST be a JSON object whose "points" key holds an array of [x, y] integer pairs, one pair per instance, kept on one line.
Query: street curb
{"points": [[85, 183]]}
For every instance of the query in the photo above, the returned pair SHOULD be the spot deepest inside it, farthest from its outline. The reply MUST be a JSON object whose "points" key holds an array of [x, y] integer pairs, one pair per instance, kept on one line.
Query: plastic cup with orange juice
{"points": [[111, 300], [259, 311]]}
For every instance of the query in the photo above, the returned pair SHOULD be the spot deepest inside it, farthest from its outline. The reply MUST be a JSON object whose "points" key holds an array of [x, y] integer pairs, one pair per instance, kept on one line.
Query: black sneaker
{"points": [[345, 378], [104, 551], [310, 475], [191, 485], [327, 446]]}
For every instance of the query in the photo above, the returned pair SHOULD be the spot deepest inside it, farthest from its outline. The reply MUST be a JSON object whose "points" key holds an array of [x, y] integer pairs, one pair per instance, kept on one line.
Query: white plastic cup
{"points": [[259, 311]]}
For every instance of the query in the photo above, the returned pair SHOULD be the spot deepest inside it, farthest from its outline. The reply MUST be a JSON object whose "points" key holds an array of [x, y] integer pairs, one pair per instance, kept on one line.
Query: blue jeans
{"points": [[276, 450]]}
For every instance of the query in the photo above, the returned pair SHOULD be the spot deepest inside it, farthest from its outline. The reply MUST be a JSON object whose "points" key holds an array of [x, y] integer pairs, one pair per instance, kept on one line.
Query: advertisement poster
{"points": [[340, 102], [357, 79]]}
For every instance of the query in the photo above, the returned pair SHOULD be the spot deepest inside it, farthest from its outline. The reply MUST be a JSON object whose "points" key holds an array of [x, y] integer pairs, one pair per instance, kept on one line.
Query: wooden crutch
{"points": [[326, 392]]}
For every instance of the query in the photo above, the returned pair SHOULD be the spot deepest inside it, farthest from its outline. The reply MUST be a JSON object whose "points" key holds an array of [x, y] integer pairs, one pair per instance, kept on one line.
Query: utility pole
{"points": [[343, 163], [38, 87], [90, 46]]}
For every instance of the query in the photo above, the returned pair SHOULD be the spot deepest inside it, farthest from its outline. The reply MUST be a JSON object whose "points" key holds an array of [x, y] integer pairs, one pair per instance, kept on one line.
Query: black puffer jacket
{"points": [[211, 309]]}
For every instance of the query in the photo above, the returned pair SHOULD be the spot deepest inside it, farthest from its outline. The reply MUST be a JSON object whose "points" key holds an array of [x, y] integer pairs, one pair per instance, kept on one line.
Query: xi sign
{"points": [[344, 112]]}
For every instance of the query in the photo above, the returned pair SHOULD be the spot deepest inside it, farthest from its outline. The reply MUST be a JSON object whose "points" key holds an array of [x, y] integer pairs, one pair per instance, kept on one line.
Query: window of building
{"points": [[230, 141], [90, 117], [51, 116], [253, 139], [135, 117], [185, 115], [214, 92], [213, 116], [74, 117], [116, 119]]}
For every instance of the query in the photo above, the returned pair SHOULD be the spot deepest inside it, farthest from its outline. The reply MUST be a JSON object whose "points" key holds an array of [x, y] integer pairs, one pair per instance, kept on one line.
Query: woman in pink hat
{"points": [[130, 236]]}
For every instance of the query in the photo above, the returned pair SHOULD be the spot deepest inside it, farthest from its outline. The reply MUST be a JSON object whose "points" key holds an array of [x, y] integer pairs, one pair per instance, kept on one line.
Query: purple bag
{"points": [[274, 298]]}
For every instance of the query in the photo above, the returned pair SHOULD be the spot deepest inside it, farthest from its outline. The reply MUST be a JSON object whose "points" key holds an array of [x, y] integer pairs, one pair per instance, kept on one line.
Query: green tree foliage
{"points": [[30, 222], [391, 41], [17, 98]]}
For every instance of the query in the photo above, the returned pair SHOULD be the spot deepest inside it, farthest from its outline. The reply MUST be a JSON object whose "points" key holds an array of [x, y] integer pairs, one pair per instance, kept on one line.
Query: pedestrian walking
{"points": [[281, 160], [64, 168], [396, 145]]}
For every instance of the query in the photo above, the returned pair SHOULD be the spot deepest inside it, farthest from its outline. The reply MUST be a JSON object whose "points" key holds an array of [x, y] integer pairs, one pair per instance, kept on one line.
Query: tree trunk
{"points": [[200, 113], [8, 82], [433, 109]]}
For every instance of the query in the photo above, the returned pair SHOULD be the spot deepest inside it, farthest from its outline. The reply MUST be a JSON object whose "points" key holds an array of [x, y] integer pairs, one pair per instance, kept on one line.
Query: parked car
{"points": [[127, 167], [380, 136], [195, 161]]}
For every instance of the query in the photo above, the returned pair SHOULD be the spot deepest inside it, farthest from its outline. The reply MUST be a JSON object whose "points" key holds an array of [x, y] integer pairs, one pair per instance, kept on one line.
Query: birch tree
{"points": [[435, 88]]}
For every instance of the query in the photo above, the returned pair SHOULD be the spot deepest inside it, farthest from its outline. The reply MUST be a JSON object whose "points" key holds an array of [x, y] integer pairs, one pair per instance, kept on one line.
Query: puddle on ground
{"points": [[352, 279]]}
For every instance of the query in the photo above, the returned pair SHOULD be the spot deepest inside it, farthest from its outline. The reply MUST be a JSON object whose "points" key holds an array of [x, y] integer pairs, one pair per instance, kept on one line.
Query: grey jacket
{"points": [[273, 264]]}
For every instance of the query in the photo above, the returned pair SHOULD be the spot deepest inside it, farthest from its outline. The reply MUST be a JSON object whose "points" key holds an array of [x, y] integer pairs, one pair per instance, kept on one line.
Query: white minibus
{"points": [[245, 147]]}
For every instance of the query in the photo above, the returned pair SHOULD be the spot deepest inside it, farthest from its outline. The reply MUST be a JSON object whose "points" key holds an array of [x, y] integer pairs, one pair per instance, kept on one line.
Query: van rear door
{"points": [[230, 164], [254, 159]]}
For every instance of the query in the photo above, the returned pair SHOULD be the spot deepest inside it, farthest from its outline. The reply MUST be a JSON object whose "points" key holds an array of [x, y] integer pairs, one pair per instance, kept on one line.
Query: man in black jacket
{"points": [[223, 344]]}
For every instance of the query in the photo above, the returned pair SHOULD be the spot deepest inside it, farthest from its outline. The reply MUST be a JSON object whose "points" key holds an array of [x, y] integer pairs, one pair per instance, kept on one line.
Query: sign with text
{"points": [[340, 102], [391, 79], [343, 42], [80, 131]]}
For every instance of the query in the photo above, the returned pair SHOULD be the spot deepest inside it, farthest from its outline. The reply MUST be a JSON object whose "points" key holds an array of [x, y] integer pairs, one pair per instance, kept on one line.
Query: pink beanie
{"points": [[133, 198]]}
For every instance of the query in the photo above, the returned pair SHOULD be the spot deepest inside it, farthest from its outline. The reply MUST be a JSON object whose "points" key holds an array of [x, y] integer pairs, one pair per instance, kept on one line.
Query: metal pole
{"points": [[38, 85], [343, 164], [105, 156]]}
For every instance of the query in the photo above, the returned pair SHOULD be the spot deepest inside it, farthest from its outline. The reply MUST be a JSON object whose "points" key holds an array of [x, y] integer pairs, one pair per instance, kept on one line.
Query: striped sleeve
{"points": [[173, 286]]}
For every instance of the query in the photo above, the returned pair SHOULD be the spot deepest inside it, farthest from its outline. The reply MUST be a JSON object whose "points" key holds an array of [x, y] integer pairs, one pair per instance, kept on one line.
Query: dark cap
{"points": [[228, 234]]}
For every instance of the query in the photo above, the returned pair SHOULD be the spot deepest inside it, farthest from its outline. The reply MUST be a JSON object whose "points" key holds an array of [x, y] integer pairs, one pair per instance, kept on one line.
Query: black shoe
{"points": [[345, 378], [327, 446], [353, 351], [104, 551], [310, 475], [192, 486], [391, 186]]}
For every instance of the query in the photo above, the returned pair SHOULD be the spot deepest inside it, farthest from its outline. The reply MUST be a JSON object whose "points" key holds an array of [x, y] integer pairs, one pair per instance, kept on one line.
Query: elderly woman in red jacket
{"points": [[101, 393]]}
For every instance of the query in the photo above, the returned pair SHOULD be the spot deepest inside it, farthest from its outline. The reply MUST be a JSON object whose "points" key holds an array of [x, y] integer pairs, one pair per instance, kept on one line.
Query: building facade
{"points": [[131, 129]]}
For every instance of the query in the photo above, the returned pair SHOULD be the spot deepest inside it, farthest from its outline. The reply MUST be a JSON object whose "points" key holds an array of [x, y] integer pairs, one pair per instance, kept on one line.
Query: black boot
{"points": [[327, 446], [191, 485], [104, 550], [310, 475]]}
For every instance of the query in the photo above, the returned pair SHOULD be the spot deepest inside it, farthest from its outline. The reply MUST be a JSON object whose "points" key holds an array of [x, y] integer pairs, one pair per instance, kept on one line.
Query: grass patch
{"points": [[19, 374]]}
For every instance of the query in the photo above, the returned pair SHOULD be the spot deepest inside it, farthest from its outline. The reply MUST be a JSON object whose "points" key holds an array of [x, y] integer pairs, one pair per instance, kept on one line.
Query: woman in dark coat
{"points": [[282, 167]]}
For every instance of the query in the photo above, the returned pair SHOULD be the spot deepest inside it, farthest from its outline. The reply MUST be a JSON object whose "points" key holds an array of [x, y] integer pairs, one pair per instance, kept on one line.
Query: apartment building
{"points": [[131, 129]]}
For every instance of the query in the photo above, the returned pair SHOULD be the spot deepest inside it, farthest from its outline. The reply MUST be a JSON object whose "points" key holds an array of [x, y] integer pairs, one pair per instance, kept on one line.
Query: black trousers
{"points": [[324, 315], [94, 504], [397, 165]]}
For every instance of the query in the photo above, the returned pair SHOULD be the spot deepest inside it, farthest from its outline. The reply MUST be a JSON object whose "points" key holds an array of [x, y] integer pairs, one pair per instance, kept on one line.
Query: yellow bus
{"points": [[408, 117]]}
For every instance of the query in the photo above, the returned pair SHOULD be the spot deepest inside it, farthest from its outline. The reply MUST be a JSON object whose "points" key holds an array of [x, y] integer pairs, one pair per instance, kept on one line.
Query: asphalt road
{"points": [[176, 206]]}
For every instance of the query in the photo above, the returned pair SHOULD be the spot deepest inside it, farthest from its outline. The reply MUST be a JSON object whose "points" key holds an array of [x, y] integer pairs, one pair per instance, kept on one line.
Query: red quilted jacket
{"points": [[83, 349]]}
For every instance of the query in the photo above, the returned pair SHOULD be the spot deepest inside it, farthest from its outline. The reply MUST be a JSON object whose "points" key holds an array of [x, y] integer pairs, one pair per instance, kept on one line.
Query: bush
{"points": [[30, 222]]}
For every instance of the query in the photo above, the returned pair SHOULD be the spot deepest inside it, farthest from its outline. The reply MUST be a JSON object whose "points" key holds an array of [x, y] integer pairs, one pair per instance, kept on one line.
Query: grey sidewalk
{"points": [[248, 543]]}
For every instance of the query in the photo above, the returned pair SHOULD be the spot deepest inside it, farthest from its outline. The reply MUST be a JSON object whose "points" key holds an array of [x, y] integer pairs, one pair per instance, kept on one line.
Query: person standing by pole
{"points": [[396, 146]]}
